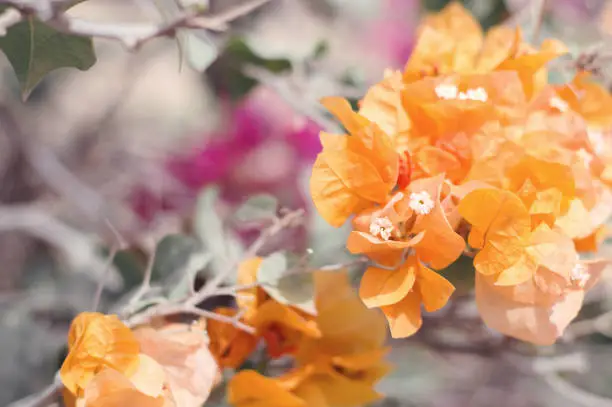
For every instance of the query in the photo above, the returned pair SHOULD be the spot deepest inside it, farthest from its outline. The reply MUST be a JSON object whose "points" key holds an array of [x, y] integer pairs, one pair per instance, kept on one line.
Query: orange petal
{"points": [[342, 317], [332, 198], [110, 388], [274, 312], [536, 324], [383, 287], [435, 290], [96, 341], [404, 317], [342, 109], [183, 352], [250, 389], [230, 345]]}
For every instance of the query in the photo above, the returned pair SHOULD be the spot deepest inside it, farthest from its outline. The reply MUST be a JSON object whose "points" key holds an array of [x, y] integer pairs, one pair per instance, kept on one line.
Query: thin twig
{"points": [[78, 248], [538, 20], [145, 286], [290, 219], [146, 316], [133, 36], [102, 282]]}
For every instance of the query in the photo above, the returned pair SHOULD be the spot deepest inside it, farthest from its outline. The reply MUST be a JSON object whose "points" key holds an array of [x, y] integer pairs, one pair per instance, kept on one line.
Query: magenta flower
{"points": [[263, 147]]}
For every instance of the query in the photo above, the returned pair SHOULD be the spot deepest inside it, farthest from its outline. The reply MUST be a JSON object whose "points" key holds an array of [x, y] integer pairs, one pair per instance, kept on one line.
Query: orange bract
{"points": [[339, 367], [96, 341], [182, 352], [352, 171]]}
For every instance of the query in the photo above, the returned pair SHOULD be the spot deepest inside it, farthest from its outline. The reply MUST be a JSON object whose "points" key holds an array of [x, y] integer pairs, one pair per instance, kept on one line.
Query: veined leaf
{"points": [[296, 289], [34, 49], [208, 227], [258, 207]]}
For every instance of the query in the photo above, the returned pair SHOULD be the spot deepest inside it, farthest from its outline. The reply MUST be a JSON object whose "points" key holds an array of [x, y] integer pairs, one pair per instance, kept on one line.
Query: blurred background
{"points": [[122, 151]]}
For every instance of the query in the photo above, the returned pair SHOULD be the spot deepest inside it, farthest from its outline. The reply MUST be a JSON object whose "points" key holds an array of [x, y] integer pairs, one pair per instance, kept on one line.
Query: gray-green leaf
{"points": [[34, 49], [296, 289], [257, 208], [208, 226]]}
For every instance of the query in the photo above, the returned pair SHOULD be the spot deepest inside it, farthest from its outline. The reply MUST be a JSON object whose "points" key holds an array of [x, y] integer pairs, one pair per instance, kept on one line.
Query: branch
{"points": [[539, 17], [79, 248], [134, 35], [289, 220], [100, 287]]}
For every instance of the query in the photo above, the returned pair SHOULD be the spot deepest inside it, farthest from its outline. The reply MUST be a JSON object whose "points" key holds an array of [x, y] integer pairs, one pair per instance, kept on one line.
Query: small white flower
{"points": [[585, 156], [421, 202], [381, 227], [558, 104], [477, 94], [449, 91], [446, 91], [596, 137], [580, 274]]}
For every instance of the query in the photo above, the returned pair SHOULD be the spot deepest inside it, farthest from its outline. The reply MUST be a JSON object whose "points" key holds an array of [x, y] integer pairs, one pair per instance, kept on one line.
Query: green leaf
{"points": [[173, 254], [198, 48], [195, 263], [258, 207], [34, 49], [208, 227], [296, 289]]}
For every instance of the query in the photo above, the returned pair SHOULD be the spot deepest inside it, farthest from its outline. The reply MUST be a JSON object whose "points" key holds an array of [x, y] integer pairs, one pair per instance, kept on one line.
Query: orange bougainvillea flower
{"points": [[540, 309], [96, 341], [230, 345], [589, 99], [411, 219], [182, 351], [501, 228], [401, 292], [510, 252], [442, 106], [382, 105], [145, 387], [338, 368], [352, 172], [441, 50], [280, 325], [250, 389]]}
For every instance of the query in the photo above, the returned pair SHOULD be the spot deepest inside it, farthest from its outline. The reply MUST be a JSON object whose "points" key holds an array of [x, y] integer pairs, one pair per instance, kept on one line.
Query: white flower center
{"points": [[580, 274], [597, 139], [381, 227], [585, 156], [421, 202], [448, 91], [558, 104]]}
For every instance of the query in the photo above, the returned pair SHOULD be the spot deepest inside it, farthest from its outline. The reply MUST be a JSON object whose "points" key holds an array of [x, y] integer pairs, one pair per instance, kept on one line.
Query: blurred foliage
{"points": [[488, 12], [34, 49], [226, 73]]}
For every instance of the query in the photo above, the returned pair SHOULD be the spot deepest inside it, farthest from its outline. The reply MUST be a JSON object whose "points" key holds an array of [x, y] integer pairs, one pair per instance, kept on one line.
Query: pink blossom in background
{"points": [[263, 147], [391, 34]]}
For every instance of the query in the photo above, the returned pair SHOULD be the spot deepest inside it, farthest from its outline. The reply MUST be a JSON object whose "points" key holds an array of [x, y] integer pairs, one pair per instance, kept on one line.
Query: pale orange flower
{"points": [[539, 309], [352, 172], [182, 351], [96, 341]]}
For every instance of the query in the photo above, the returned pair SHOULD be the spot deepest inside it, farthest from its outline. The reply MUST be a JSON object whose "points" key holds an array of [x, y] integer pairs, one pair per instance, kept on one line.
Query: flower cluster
{"points": [[338, 348], [471, 151], [108, 364]]}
